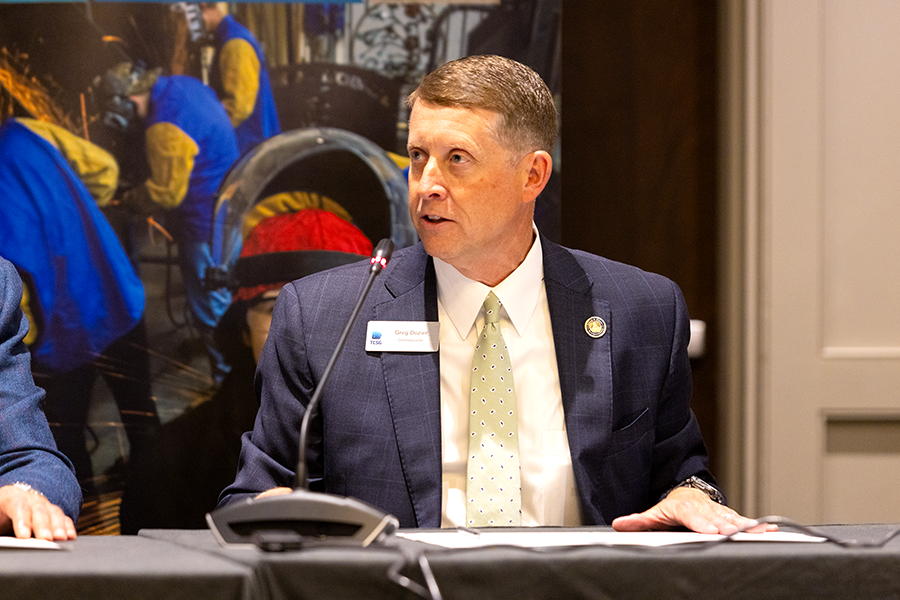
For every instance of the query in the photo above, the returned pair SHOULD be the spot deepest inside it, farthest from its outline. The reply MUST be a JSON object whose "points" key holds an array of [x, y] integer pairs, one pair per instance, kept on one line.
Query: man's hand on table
{"points": [[691, 508], [27, 513]]}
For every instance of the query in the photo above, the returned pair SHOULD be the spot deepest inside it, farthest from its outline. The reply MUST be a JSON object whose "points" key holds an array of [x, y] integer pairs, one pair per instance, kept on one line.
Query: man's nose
{"points": [[431, 181]]}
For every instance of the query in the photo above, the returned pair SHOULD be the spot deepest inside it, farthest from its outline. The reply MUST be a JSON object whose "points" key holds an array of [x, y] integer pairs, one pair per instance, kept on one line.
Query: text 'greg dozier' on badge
{"points": [[403, 336]]}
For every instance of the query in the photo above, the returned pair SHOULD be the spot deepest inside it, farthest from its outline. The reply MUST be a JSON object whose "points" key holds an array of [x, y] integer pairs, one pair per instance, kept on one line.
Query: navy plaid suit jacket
{"points": [[28, 453], [377, 437]]}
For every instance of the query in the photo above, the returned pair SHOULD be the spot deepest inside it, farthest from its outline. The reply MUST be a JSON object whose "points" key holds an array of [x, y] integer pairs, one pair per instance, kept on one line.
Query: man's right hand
{"points": [[279, 491]]}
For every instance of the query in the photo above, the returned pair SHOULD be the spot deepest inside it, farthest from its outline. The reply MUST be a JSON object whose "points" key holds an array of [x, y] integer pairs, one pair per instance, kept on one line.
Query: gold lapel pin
{"points": [[595, 327]]}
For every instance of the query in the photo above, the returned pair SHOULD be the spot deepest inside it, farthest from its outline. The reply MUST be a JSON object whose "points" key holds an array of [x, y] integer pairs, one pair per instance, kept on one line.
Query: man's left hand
{"points": [[691, 508]]}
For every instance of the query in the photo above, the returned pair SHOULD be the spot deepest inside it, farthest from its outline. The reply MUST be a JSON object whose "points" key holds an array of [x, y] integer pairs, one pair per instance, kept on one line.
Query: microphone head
{"points": [[381, 255]]}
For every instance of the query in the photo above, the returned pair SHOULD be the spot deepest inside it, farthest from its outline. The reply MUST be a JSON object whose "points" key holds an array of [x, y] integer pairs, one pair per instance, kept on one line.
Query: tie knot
{"points": [[491, 308]]}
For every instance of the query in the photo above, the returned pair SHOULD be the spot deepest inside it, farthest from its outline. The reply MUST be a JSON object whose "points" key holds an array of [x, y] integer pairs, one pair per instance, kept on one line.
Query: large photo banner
{"points": [[165, 168]]}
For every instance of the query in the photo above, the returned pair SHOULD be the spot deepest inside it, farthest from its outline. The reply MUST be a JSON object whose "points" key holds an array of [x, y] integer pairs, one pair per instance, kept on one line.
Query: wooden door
{"points": [[639, 152]]}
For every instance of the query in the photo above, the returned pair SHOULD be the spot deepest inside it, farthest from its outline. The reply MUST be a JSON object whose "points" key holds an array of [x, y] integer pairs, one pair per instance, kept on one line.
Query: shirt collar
{"points": [[462, 298]]}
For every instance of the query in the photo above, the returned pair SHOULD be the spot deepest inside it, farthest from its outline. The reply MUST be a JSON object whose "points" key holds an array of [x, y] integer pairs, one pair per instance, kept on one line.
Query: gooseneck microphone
{"points": [[290, 520]]}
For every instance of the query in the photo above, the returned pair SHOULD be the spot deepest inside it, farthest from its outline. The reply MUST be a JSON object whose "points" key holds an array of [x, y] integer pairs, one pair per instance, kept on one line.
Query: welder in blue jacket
{"points": [[190, 146], [81, 294], [241, 78]]}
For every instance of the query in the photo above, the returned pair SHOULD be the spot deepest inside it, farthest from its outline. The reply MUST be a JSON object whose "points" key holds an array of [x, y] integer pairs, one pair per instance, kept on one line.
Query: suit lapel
{"points": [[412, 381], [585, 367]]}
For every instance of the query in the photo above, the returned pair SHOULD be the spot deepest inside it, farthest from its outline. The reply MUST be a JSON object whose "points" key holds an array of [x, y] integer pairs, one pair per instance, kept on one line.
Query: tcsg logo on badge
{"points": [[403, 336]]}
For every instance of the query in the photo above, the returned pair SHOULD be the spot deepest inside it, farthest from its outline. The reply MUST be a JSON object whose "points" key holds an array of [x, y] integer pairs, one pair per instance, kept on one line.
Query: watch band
{"points": [[698, 484]]}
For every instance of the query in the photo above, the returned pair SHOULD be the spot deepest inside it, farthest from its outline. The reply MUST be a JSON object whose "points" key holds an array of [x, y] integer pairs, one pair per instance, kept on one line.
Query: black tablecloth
{"points": [[733, 570], [100, 567], [190, 564]]}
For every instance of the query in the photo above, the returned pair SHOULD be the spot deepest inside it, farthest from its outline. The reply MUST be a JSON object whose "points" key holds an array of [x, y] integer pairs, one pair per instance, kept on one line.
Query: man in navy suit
{"points": [[598, 349], [39, 495]]}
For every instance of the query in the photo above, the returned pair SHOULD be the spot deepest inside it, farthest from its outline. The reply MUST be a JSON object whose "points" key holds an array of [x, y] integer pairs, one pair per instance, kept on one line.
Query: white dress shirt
{"points": [[548, 484]]}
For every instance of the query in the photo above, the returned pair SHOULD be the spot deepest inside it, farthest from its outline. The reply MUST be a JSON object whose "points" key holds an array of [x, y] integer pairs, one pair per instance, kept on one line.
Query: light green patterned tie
{"points": [[493, 488]]}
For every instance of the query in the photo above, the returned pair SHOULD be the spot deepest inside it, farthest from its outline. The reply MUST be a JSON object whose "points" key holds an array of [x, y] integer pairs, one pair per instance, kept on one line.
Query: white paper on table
{"points": [[457, 538], [27, 544]]}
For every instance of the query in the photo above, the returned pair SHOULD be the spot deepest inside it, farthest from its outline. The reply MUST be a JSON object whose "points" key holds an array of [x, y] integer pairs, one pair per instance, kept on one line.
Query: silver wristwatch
{"points": [[698, 484]]}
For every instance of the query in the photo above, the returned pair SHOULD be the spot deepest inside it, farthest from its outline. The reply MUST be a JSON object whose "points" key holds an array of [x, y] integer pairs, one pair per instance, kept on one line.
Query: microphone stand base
{"points": [[301, 514]]}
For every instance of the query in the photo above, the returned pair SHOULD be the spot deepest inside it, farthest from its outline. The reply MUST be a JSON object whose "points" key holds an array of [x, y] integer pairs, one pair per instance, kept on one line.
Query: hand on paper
{"points": [[691, 508]]}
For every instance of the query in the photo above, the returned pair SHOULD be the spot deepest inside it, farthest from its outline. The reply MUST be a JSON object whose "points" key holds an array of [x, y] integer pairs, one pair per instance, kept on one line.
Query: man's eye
{"points": [[415, 155], [457, 158]]}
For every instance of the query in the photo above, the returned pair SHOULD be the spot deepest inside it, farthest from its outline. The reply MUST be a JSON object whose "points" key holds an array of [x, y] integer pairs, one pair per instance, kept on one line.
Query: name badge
{"points": [[403, 336]]}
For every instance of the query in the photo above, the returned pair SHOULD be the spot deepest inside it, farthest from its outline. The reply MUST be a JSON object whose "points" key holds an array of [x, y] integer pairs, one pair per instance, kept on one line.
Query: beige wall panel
{"points": [[829, 308], [861, 124]]}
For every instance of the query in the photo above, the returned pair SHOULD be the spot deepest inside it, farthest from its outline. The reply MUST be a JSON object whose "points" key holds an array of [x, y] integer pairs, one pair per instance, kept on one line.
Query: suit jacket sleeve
{"points": [[269, 453], [306, 323], [375, 436], [28, 452], [679, 450]]}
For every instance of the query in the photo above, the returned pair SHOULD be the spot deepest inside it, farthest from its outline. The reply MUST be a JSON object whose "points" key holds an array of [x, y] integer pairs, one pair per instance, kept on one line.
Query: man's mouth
{"points": [[434, 218]]}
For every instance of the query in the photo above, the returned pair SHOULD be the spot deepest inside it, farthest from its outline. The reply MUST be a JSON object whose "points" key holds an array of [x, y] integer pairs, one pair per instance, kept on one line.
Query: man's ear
{"points": [[539, 170]]}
